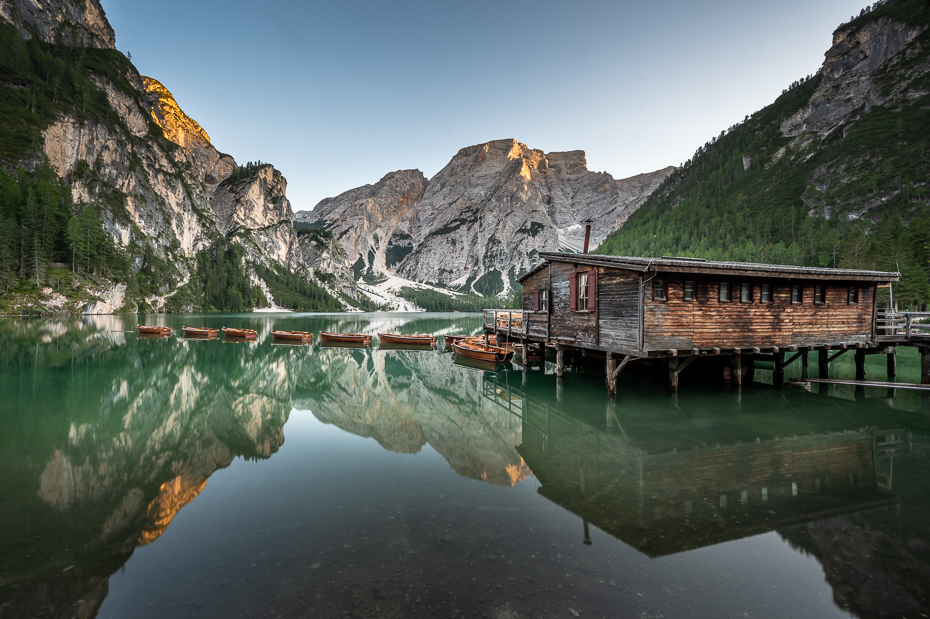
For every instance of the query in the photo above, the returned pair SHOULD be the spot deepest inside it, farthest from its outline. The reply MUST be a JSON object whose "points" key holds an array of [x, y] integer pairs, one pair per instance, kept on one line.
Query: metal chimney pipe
{"points": [[587, 233]]}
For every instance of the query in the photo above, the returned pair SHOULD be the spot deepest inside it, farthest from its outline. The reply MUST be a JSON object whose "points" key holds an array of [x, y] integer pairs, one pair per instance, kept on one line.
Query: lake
{"points": [[169, 477]]}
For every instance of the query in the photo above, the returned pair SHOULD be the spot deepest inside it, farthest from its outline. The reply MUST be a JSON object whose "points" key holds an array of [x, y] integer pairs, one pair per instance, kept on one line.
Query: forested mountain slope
{"points": [[833, 173]]}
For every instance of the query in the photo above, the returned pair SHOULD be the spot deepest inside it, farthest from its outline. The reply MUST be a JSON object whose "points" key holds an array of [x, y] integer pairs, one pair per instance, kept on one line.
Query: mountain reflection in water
{"points": [[105, 438]]}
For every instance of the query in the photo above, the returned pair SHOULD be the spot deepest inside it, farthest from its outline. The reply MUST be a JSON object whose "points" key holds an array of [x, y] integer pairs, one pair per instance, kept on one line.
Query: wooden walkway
{"points": [[891, 330]]}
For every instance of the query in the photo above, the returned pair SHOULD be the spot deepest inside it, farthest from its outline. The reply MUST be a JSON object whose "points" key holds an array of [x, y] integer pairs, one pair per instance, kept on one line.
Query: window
{"points": [[818, 295], [543, 301], [724, 291], [689, 291], [766, 294], [658, 290], [853, 294], [583, 291], [745, 293], [796, 293]]}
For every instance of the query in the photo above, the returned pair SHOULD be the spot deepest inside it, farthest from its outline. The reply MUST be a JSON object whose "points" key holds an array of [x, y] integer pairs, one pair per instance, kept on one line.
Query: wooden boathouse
{"points": [[681, 309]]}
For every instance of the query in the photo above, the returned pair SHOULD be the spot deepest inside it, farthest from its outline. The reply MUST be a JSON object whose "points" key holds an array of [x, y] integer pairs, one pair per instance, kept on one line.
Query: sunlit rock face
{"points": [[483, 219], [71, 22], [212, 166]]}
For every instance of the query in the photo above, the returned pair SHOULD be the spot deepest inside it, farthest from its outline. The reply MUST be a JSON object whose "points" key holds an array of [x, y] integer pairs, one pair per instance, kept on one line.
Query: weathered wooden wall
{"points": [[619, 309], [535, 282], [579, 327], [707, 322]]}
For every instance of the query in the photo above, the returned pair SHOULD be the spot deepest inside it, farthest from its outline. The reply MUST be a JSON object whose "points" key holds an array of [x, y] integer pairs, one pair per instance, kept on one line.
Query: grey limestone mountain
{"points": [[482, 220], [71, 22]]}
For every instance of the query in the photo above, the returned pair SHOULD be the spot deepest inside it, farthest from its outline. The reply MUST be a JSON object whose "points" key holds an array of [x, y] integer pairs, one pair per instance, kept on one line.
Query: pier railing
{"points": [[518, 323], [892, 325]]}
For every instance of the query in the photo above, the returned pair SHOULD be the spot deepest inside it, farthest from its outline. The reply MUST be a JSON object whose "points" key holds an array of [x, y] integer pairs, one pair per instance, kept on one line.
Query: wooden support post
{"points": [[558, 388], [925, 366], [487, 340], [559, 360], [736, 369], [823, 361], [778, 376], [806, 358], [860, 364], [892, 360], [611, 376], [750, 374], [673, 373]]}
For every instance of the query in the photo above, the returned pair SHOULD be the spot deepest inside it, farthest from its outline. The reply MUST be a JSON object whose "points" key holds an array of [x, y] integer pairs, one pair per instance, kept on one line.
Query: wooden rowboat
{"points": [[200, 332], [241, 334], [480, 352], [153, 330], [292, 336], [345, 338], [408, 340]]}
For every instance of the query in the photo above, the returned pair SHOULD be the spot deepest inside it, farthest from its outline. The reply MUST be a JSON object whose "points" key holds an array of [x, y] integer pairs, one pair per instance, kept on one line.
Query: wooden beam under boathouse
{"points": [[681, 311]]}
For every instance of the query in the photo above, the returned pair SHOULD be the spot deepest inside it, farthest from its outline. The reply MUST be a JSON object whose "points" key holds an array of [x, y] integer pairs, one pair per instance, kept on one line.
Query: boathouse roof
{"points": [[699, 265]]}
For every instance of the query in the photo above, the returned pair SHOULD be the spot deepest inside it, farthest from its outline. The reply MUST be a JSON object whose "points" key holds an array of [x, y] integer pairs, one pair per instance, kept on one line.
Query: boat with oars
{"points": [[345, 338], [200, 332], [150, 330], [240, 334], [475, 349], [402, 339], [292, 336]]}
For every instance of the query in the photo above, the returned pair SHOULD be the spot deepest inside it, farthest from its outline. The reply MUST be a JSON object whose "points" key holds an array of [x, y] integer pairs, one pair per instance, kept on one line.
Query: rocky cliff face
{"points": [[71, 22], [364, 219], [482, 220], [848, 87]]}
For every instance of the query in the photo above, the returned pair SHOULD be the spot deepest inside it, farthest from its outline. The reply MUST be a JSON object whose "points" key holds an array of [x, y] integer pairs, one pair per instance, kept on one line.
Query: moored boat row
{"points": [[465, 346]]}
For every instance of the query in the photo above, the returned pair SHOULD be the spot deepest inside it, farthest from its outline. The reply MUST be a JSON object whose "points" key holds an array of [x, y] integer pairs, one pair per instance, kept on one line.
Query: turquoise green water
{"points": [[177, 478]]}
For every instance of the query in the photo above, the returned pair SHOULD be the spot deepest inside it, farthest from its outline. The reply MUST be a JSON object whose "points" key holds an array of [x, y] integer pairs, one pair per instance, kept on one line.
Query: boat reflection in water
{"points": [[666, 480]]}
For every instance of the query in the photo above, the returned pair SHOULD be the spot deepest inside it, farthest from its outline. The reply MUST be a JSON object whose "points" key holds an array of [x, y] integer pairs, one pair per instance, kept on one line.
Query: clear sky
{"points": [[336, 94]]}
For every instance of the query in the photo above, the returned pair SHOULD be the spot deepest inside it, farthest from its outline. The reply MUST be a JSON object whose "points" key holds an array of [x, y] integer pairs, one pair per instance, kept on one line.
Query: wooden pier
{"points": [[678, 311]]}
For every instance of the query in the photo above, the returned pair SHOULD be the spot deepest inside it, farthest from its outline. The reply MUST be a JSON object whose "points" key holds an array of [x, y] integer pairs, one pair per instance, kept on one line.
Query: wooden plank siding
{"points": [[626, 319], [619, 309], [707, 322]]}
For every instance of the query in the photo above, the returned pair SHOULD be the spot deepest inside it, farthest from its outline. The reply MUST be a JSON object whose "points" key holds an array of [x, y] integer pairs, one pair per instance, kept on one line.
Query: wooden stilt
{"points": [[558, 388], [611, 377], [892, 360], [673, 373], [778, 376], [559, 360], [487, 340], [860, 364], [823, 360], [736, 369], [806, 358]]}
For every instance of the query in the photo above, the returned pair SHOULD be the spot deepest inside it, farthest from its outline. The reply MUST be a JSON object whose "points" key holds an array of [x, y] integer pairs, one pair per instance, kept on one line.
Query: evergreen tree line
{"points": [[291, 291], [224, 282], [433, 301], [40, 225], [856, 199]]}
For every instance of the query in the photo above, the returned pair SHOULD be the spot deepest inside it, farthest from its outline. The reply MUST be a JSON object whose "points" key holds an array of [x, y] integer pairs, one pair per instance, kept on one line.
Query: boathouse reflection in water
{"points": [[668, 479]]}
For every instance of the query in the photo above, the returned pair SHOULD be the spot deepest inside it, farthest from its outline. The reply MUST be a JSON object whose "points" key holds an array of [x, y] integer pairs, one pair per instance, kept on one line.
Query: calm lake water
{"points": [[179, 478]]}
